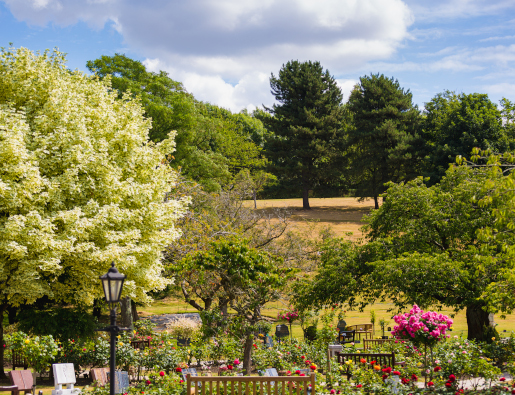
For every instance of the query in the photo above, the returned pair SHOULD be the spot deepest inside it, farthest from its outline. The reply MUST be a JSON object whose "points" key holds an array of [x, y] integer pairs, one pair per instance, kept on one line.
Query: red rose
{"points": [[447, 384], [363, 360], [397, 373], [359, 386], [437, 369], [148, 382], [502, 379], [513, 392], [313, 367], [178, 369], [297, 372], [384, 376], [372, 363], [414, 377], [387, 370], [430, 384], [303, 357], [161, 373], [229, 367], [452, 378], [302, 375]]}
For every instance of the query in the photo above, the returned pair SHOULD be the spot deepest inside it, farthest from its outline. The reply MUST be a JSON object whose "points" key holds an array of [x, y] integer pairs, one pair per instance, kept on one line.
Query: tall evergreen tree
{"points": [[306, 125], [383, 144]]}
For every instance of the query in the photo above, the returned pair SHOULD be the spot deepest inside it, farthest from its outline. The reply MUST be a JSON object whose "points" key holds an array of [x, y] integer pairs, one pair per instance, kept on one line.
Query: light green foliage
{"points": [[39, 351], [423, 249], [80, 186]]}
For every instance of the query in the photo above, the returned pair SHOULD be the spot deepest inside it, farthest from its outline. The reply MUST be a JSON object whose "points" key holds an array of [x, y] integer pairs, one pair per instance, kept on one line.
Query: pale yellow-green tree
{"points": [[80, 186]]}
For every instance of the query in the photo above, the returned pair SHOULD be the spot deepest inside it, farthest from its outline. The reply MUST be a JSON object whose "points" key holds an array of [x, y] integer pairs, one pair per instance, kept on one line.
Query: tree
{"points": [[80, 186], [455, 124], [306, 126], [212, 144], [246, 278], [383, 143], [424, 248]]}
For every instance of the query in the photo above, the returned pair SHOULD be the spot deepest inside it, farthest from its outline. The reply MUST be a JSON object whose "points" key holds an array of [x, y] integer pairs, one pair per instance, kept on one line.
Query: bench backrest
{"points": [[368, 343], [382, 359], [360, 327], [19, 360], [140, 344], [230, 385], [121, 381], [22, 379]]}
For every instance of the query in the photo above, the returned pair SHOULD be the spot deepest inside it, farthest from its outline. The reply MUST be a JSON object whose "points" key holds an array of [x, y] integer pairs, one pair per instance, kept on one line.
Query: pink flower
{"points": [[236, 361], [332, 392]]}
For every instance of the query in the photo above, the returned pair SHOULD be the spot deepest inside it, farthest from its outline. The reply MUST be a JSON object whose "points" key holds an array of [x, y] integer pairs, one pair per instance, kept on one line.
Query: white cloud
{"points": [[346, 86], [224, 50]]}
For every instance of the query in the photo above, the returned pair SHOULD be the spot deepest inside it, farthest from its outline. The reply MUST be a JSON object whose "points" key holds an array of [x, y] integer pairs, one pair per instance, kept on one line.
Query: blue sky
{"points": [[224, 50]]}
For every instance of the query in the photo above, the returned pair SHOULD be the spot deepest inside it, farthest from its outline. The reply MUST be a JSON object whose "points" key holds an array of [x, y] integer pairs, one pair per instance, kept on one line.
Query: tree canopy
{"points": [[423, 248], [306, 126], [80, 186], [383, 142]]}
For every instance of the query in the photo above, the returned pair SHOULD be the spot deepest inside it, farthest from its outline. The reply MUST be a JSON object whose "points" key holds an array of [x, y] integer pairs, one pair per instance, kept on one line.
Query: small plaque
{"points": [[63, 373]]}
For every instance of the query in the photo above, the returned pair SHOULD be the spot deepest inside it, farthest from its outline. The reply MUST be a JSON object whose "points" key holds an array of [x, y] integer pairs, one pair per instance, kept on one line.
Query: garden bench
{"points": [[121, 381], [64, 374], [369, 343], [22, 381], [18, 360], [382, 359], [140, 344], [262, 385]]}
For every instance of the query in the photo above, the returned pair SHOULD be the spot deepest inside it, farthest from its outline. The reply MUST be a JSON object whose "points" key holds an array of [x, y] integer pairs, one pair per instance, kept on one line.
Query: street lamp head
{"points": [[112, 282]]}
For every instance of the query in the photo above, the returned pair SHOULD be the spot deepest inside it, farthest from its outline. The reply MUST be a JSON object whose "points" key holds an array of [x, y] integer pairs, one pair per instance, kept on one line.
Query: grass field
{"points": [[342, 215]]}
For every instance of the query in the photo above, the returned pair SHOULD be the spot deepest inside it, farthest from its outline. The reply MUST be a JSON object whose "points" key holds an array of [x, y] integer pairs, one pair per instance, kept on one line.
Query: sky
{"points": [[224, 51]]}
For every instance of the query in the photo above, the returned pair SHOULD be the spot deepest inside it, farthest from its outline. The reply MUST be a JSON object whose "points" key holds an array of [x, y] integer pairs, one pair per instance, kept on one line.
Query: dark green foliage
{"points": [[383, 144], [306, 126], [61, 323], [455, 124]]}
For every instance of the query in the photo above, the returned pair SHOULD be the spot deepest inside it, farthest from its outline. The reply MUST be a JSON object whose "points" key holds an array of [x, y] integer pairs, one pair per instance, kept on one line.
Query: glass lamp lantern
{"points": [[112, 282]]}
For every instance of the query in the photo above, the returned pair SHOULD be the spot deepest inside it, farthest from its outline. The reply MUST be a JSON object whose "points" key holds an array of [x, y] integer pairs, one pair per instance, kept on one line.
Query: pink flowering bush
{"points": [[421, 327], [290, 316]]}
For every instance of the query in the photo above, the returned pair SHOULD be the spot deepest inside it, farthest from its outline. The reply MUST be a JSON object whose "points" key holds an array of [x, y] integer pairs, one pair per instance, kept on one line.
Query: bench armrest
{"points": [[9, 388]]}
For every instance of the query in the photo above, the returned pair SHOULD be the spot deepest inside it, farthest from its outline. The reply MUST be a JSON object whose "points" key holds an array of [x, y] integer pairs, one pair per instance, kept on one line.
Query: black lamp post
{"points": [[112, 282]]}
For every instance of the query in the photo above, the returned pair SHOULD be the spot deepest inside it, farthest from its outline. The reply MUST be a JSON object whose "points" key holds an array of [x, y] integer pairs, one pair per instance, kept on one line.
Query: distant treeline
{"points": [[311, 143]]}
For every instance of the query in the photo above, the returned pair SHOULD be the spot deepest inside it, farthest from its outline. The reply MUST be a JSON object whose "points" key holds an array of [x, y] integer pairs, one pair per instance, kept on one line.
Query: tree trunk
{"points": [[255, 199], [126, 313], [2, 343], [305, 199], [97, 310], [477, 321], [134, 310], [247, 354], [11, 314], [376, 202]]}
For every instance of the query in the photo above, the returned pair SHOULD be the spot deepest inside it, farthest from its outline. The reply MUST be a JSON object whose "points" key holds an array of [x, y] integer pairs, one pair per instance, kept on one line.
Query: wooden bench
{"points": [[369, 343], [19, 360], [262, 385], [381, 360], [361, 329], [23, 381], [140, 344]]}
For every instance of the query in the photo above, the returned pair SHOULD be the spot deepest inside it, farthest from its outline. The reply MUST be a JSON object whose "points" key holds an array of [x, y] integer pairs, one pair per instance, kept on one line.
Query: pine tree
{"points": [[383, 144], [306, 125]]}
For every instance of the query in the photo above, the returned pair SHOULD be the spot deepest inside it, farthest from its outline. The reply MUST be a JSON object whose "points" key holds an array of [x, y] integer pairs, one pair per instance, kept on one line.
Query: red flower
{"points": [[182, 381], [303, 357], [178, 369], [313, 367], [363, 360], [148, 382], [359, 386], [430, 384], [384, 376], [513, 392], [297, 372], [414, 377], [161, 373], [396, 372], [447, 384], [437, 369], [502, 379], [229, 367], [452, 378], [372, 363], [302, 375], [387, 370]]}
